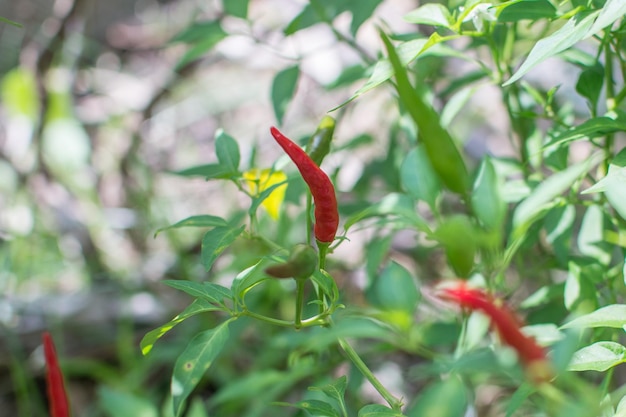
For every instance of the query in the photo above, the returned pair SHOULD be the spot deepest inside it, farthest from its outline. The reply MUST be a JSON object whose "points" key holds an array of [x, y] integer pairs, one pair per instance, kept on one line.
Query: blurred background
{"points": [[100, 104]]}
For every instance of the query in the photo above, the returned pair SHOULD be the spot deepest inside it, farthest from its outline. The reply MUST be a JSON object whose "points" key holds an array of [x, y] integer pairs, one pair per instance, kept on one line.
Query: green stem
{"points": [[299, 301], [610, 98], [323, 250], [393, 402]]}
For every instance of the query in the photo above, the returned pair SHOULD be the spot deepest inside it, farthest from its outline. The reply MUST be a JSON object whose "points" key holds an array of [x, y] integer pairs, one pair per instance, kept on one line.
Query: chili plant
{"points": [[542, 226]]}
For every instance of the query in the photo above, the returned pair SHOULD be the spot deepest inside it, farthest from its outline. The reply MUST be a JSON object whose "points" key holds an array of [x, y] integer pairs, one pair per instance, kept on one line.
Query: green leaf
{"points": [[575, 30], [227, 151], [237, 8], [316, 408], [198, 306], [419, 178], [327, 284], [487, 203], [378, 410], [208, 171], [433, 14], [592, 128], [335, 390], [10, 22], [544, 195], [591, 241], [446, 398], [394, 290], [458, 237], [118, 403], [192, 364], [517, 399], [361, 11], [442, 152], [213, 293], [613, 184], [251, 276], [598, 357], [590, 82], [612, 11], [202, 36], [204, 220], [574, 284], [516, 10], [283, 89], [394, 204], [408, 52], [559, 225], [216, 241], [613, 315]]}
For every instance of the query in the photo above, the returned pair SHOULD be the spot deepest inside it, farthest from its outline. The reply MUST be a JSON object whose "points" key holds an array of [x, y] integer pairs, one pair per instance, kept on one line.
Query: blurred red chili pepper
{"points": [[57, 396], [505, 322], [322, 189]]}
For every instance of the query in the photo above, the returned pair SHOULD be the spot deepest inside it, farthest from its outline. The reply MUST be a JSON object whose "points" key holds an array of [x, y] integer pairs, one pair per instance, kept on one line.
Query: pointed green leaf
{"points": [[216, 241], [518, 398], [283, 89], [433, 14], [208, 171], [227, 151], [613, 315], [202, 36], [591, 241], [193, 363], [334, 390], [598, 357], [394, 204], [458, 237], [487, 203], [592, 128], [516, 10], [213, 293], [198, 306], [378, 410], [419, 178], [204, 220], [316, 408], [544, 195], [361, 11], [442, 152], [612, 11], [575, 30], [613, 184], [10, 22]]}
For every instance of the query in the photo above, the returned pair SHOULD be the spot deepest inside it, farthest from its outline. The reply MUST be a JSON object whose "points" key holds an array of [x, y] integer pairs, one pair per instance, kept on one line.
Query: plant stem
{"points": [[393, 402], [299, 302]]}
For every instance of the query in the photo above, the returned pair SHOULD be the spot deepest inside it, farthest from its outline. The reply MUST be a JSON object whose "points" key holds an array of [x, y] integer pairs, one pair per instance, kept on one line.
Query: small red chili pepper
{"points": [[57, 395], [505, 322], [322, 189]]}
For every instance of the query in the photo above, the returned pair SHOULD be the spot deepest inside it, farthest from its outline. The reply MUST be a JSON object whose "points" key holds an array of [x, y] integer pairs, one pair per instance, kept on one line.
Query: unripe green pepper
{"points": [[319, 144], [301, 264]]}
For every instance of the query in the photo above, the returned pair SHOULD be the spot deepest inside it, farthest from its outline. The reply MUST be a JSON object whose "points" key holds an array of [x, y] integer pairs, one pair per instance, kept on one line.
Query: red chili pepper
{"points": [[57, 396], [322, 189], [505, 322]]}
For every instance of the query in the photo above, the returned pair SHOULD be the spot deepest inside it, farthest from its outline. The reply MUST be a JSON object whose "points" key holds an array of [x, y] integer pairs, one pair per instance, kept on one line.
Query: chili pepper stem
{"points": [[393, 402], [299, 302], [323, 250]]}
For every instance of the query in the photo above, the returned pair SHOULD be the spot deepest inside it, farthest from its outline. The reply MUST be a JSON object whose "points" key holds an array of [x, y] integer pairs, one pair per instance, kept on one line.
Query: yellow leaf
{"points": [[260, 180]]}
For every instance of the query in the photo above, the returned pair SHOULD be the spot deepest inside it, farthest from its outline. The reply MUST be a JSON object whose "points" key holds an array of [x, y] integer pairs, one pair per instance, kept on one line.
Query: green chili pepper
{"points": [[319, 144]]}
